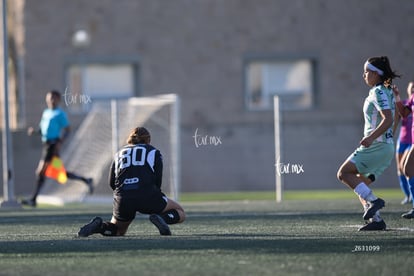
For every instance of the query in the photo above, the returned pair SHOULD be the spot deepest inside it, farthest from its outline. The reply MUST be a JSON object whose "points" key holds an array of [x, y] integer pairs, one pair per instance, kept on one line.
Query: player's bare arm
{"points": [[387, 120]]}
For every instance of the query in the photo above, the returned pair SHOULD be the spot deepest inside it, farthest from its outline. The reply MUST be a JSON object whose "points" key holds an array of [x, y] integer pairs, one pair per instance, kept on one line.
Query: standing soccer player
{"points": [[404, 142], [408, 166], [376, 149], [135, 177], [54, 129]]}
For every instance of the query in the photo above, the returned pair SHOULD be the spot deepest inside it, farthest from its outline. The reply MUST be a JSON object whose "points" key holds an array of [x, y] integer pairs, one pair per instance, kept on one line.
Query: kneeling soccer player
{"points": [[135, 178]]}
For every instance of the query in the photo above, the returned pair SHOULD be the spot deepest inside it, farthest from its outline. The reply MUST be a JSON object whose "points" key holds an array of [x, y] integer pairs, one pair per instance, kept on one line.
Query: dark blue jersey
{"points": [[136, 169]]}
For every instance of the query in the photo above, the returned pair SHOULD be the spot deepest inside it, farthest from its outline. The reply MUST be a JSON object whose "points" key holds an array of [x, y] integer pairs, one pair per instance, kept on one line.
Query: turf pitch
{"points": [[226, 237]]}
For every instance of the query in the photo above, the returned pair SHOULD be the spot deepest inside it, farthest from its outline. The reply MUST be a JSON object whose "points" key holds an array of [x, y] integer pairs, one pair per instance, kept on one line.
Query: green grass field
{"points": [[240, 234]]}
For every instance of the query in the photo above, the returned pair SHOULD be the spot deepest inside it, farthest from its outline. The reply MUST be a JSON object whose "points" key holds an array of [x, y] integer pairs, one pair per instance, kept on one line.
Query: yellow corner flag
{"points": [[56, 170]]}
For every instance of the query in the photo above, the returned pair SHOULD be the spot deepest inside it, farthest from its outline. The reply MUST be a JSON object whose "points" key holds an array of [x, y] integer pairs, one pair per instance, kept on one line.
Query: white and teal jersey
{"points": [[379, 98]]}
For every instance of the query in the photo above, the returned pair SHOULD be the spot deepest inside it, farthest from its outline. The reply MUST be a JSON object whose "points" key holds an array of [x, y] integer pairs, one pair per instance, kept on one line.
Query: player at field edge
{"points": [[376, 149], [404, 143], [135, 176], [54, 128], [408, 165]]}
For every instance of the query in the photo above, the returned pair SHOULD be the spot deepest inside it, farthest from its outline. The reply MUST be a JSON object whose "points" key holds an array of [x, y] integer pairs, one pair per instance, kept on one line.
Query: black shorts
{"points": [[125, 208], [49, 150]]}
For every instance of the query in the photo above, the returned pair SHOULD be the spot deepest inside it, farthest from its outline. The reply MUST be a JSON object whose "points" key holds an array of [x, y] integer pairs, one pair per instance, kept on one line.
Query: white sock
{"points": [[363, 191]]}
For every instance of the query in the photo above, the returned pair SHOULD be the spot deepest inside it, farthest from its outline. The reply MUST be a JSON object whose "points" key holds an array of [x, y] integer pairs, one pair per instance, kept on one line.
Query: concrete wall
{"points": [[198, 49]]}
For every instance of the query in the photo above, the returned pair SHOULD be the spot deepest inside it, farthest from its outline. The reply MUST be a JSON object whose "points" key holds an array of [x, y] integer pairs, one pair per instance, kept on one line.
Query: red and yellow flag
{"points": [[56, 170]]}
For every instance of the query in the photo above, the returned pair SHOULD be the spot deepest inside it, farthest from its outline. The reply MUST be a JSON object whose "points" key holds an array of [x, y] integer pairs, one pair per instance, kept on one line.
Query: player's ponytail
{"points": [[383, 64], [139, 135]]}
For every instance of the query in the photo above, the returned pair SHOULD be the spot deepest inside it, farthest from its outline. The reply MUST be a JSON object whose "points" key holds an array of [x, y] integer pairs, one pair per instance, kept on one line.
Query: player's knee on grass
{"points": [[109, 229], [182, 215], [172, 217]]}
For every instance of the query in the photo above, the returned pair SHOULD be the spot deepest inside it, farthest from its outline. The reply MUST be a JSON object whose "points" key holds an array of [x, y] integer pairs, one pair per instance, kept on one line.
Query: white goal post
{"points": [[104, 130], [278, 148], [170, 122]]}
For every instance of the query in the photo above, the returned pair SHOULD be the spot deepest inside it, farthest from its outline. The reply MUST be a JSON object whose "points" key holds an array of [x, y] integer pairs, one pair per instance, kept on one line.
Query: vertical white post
{"points": [[8, 184], [175, 149], [278, 150], [115, 127]]}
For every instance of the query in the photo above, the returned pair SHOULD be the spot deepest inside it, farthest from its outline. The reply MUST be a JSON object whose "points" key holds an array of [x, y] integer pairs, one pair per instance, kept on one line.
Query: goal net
{"points": [[103, 131]]}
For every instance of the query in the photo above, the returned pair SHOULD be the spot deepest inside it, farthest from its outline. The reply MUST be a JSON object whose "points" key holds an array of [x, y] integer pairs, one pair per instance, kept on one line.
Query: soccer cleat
{"points": [[409, 214], [93, 227], [29, 202], [373, 208], [374, 226], [160, 224], [89, 182]]}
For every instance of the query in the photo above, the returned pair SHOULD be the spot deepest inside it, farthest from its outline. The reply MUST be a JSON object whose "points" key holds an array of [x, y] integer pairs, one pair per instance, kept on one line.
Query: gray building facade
{"points": [[225, 59]]}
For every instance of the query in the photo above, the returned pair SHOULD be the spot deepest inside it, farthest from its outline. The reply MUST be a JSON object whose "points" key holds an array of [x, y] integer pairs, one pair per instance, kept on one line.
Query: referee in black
{"points": [[135, 178]]}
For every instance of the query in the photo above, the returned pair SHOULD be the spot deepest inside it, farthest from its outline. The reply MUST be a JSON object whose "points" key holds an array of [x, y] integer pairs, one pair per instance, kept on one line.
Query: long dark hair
{"points": [[383, 63]]}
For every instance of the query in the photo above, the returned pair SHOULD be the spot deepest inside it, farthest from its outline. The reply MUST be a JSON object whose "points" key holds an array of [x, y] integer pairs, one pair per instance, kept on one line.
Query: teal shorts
{"points": [[374, 159]]}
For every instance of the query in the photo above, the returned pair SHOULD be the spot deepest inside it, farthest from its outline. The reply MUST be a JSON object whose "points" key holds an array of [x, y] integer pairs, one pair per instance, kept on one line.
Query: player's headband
{"points": [[373, 68]]}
